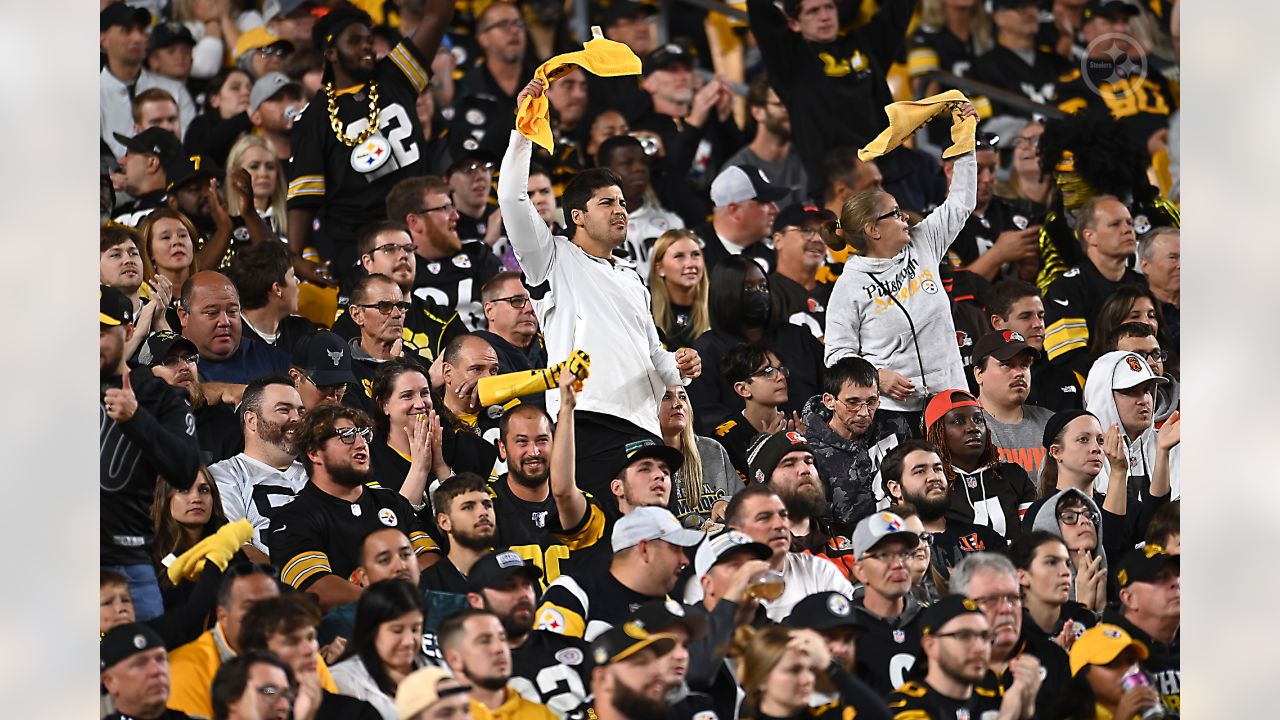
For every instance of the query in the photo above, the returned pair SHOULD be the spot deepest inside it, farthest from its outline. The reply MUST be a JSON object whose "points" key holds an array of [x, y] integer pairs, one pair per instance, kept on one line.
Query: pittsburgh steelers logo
{"points": [[371, 154], [387, 517], [838, 605]]}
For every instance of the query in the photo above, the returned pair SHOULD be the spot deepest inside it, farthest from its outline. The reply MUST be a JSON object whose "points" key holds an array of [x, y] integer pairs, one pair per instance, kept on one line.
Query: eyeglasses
{"points": [[348, 435], [394, 248], [887, 556], [894, 213], [994, 601], [1157, 355], [272, 50], [808, 233], [968, 636], [271, 693], [1033, 141], [857, 406], [505, 25], [771, 372], [1071, 517], [447, 207], [386, 306], [517, 301], [333, 392], [474, 167], [173, 363]]}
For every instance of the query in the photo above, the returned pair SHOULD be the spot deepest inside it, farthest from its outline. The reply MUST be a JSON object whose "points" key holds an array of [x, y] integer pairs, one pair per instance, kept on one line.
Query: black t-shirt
{"points": [[292, 330], [320, 172], [444, 576], [552, 667], [794, 304], [455, 282], [318, 534], [960, 539], [916, 700]]}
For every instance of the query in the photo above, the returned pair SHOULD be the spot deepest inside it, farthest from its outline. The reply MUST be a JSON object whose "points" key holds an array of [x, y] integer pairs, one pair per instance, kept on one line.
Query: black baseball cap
{"points": [[619, 643], [657, 616], [944, 611], [1109, 9], [798, 214], [153, 141], [1059, 421], [113, 307], [118, 13], [667, 56], [325, 358], [1144, 564], [1002, 345], [620, 9], [182, 170], [328, 28], [650, 448], [170, 33], [123, 642], [496, 567], [824, 611], [158, 344]]}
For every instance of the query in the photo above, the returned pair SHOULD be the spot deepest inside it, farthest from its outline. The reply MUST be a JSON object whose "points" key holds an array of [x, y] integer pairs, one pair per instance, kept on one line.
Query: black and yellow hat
{"points": [[1144, 564], [113, 307], [944, 611], [619, 643]]}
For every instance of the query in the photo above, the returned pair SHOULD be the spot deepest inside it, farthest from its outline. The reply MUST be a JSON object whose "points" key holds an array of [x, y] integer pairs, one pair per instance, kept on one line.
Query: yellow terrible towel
{"points": [[598, 56], [907, 117]]}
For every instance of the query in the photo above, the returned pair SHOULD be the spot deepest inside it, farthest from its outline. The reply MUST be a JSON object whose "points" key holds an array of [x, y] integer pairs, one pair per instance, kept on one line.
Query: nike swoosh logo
{"points": [[282, 528], [1060, 302]]}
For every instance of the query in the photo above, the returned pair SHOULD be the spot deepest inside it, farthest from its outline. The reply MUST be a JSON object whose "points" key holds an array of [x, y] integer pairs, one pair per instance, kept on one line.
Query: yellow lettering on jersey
{"points": [[832, 67], [548, 559], [368, 387], [723, 428], [912, 715], [1130, 97], [913, 689]]}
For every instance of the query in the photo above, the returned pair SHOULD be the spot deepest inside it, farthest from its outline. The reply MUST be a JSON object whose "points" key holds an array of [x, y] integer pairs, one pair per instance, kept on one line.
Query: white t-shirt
{"points": [[803, 574]]}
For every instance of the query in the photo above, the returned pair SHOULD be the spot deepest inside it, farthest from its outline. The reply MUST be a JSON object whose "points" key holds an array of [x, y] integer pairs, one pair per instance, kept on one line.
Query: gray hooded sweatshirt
{"points": [[1098, 399], [863, 321], [1046, 518]]}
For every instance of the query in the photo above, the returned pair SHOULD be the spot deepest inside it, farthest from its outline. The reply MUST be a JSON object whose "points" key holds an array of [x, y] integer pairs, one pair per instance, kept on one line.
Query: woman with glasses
{"points": [[888, 305], [701, 488], [678, 287], [385, 645], [742, 312], [1074, 517], [1044, 572]]}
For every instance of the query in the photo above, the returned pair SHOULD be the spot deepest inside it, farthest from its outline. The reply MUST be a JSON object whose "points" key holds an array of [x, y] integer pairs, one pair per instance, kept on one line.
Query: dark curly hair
{"points": [[1105, 156]]}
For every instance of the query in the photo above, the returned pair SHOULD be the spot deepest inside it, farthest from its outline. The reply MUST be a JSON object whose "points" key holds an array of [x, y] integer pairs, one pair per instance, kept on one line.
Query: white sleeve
{"points": [[529, 235], [206, 57], [944, 224], [664, 361], [234, 504], [829, 577], [843, 323]]}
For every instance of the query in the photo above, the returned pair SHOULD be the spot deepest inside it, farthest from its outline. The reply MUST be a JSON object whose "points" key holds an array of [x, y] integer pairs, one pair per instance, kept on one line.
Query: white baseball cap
{"points": [[1132, 370], [740, 183], [717, 546], [652, 523]]}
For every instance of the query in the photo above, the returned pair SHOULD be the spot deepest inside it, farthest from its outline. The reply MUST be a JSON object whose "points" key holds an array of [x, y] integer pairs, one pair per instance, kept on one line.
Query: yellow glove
{"points": [[218, 547]]}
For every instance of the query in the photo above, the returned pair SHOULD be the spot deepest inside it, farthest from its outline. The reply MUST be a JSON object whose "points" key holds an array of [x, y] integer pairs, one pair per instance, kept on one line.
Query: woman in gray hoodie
{"points": [[889, 306], [1075, 517]]}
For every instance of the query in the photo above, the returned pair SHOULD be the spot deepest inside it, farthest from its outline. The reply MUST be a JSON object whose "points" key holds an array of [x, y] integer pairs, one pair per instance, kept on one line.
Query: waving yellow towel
{"points": [[907, 117], [598, 56]]}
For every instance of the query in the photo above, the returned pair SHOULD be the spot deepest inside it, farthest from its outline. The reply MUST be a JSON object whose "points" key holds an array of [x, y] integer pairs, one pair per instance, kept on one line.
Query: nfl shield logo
{"points": [[899, 636]]}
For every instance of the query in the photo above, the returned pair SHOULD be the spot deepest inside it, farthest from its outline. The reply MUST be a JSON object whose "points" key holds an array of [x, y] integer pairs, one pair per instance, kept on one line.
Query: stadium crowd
{"points": [[797, 359]]}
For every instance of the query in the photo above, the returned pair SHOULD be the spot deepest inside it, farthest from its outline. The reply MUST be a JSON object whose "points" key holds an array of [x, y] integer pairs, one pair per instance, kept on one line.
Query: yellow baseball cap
{"points": [[1101, 644], [256, 39]]}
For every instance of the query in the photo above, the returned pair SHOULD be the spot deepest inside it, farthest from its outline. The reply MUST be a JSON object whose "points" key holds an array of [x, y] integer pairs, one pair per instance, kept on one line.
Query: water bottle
{"points": [[1137, 678]]}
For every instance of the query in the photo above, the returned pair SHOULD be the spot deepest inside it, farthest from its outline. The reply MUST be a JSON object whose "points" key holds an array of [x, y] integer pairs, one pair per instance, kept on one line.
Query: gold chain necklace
{"points": [[336, 124]]}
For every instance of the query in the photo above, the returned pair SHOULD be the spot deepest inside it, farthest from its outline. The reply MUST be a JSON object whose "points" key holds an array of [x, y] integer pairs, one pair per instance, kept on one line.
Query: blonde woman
{"points": [[254, 155], [169, 247], [678, 286], [780, 668], [705, 482]]}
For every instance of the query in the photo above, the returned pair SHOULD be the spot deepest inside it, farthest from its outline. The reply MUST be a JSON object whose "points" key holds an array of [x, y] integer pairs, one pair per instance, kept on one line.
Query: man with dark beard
{"points": [[913, 473], [344, 175], [785, 462], [175, 360], [315, 540], [546, 667], [464, 513], [266, 476], [771, 149], [475, 649], [534, 518], [628, 680]]}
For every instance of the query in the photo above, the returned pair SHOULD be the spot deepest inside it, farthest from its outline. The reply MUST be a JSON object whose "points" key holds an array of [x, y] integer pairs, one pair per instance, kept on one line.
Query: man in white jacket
{"points": [[1121, 388], [588, 299], [889, 306]]}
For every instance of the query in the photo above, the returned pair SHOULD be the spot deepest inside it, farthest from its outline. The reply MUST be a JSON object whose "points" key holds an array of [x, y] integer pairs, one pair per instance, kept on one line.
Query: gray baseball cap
{"points": [[875, 529], [268, 86]]}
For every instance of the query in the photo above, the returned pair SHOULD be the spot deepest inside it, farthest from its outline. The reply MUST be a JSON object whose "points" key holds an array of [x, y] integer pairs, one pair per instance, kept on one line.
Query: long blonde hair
{"points": [[758, 652], [699, 317], [279, 215], [933, 14], [859, 210], [690, 473]]}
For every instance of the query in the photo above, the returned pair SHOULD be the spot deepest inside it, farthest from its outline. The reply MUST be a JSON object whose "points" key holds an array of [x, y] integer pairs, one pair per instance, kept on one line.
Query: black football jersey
{"points": [[887, 647], [916, 700], [320, 172], [532, 529], [552, 669], [454, 283]]}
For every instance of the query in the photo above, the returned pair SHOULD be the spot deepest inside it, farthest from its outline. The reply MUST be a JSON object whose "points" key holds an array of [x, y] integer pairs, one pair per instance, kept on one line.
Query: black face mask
{"points": [[755, 307]]}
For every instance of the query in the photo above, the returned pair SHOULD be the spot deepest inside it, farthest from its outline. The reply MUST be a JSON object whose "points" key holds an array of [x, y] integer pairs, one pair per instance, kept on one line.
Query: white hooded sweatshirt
{"points": [[863, 321], [1098, 399]]}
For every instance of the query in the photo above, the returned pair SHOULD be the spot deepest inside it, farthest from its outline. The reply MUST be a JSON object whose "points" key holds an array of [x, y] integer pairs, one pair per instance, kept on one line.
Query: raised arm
{"points": [[530, 237], [942, 226], [436, 17], [570, 502]]}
